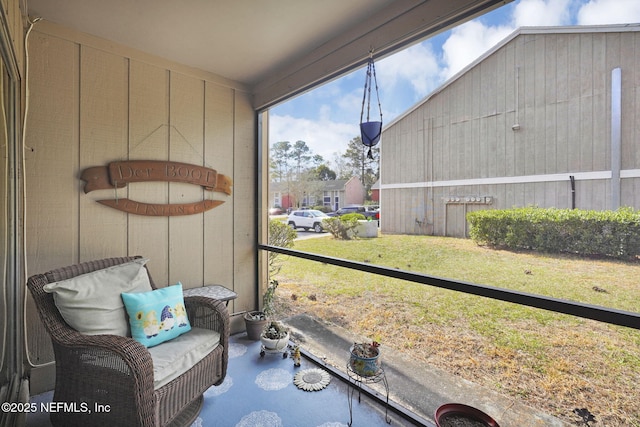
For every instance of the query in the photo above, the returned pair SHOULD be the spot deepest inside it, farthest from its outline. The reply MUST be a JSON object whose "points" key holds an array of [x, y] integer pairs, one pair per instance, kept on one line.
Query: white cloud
{"points": [[472, 39], [323, 137], [598, 12], [349, 104], [529, 13], [417, 65], [468, 42]]}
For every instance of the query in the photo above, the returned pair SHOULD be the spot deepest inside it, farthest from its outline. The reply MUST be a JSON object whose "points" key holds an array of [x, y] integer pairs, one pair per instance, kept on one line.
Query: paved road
{"points": [[303, 235]]}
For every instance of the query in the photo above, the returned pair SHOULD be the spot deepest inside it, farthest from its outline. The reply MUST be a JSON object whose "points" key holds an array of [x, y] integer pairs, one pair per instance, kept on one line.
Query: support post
{"points": [[616, 121]]}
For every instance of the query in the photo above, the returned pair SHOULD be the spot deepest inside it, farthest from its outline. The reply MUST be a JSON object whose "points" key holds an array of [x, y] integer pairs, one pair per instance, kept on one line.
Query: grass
{"points": [[551, 361]]}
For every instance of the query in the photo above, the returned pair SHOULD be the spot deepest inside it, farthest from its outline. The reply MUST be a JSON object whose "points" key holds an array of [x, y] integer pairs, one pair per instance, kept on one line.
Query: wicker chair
{"points": [[117, 372]]}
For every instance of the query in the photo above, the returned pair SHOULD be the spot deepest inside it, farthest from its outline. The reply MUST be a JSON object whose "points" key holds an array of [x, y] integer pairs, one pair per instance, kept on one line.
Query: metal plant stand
{"points": [[264, 350], [355, 382]]}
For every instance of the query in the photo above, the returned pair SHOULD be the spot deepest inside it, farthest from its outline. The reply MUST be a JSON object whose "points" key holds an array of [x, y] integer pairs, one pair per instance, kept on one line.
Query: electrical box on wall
{"points": [[476, 200]]}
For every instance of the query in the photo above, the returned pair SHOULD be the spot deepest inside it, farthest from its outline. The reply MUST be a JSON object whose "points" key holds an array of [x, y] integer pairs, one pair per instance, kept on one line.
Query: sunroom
{"points": [[87, 84]]}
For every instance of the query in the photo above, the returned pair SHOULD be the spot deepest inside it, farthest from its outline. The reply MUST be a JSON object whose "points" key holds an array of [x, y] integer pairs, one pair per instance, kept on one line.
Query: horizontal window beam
{"points": [[587, 311]]}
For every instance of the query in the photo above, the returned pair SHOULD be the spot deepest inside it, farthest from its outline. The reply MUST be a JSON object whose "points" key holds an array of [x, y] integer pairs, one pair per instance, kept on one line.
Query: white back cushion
{"points": [[91, 303]]}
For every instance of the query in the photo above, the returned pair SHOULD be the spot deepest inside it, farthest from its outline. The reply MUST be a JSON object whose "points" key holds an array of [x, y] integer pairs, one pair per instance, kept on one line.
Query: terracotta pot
{"points": [[449, 410], [254, 327]]}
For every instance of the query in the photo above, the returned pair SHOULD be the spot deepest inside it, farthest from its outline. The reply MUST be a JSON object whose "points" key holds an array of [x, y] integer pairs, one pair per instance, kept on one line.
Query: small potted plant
{"points": [[275, 336], [256, 321], [365, 358]]}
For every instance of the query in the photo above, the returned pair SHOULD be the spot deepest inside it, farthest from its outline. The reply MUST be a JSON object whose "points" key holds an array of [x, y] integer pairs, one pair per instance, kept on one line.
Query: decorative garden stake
{"points": [[370, 131]]}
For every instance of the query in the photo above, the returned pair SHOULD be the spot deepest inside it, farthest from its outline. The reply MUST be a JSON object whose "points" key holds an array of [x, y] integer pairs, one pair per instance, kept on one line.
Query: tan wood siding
{"points": [[149, 139], [93, 103], [219, 137], [557, 87], [103, 132]]}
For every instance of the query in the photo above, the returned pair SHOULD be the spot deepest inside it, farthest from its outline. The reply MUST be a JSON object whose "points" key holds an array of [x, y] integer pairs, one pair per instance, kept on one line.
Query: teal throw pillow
{"points": [[156, 316]]}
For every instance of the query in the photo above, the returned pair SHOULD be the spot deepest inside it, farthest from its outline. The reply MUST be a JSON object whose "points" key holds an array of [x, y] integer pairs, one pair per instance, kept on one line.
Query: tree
{"points": [[301, 155], [324, 173], [359, 164], [342, 169], [280, 158], [297, 166]]}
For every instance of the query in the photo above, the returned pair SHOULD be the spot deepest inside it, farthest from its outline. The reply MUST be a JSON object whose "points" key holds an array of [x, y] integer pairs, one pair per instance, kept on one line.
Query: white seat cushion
{"points": [[173, 358]]}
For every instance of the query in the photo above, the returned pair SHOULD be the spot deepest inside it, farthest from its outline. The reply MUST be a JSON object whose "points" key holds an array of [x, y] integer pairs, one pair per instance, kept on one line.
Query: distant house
{"points": [[375, 191], [548, 117], [333, 194]]}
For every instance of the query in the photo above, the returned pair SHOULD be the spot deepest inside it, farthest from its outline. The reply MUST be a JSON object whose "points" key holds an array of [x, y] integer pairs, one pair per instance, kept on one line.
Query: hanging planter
{"points": [[370, 131]]}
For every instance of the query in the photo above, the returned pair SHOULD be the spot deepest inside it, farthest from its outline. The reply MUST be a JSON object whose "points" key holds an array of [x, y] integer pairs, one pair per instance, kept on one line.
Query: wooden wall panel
{"points": [[51, 162], [93, 102], [103, 104], [244, 207], [186, 144], [218, 223], [149, 140], [561, 119], [629, 63], [630, 192], [557, 87], [414, 169]]}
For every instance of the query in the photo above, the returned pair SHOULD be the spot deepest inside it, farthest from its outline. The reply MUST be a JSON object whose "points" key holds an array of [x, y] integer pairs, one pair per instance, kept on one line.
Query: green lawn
{"points": [[525, 352]]}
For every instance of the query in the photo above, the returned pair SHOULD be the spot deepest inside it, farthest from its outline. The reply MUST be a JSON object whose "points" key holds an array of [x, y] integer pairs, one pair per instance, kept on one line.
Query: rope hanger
{"points": [[370, 131]]}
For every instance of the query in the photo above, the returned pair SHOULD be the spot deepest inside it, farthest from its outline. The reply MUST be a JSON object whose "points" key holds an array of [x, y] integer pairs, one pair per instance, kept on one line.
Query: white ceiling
{"points": [[260, 43]]}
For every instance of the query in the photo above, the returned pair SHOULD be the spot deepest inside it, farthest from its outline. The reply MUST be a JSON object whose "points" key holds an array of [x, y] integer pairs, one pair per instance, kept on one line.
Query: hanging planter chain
{"points": [[370, 131]]}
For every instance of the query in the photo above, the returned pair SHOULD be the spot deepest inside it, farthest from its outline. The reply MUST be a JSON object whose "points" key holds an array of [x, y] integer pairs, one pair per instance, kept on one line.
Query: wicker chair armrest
{"points": [[106, 369], [129, 351], [209, 313]]}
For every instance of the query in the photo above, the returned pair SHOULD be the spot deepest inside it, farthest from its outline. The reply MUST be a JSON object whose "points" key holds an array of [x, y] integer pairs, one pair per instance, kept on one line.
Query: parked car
{"points": [[276, 211], [373, 214], [307, 219]]}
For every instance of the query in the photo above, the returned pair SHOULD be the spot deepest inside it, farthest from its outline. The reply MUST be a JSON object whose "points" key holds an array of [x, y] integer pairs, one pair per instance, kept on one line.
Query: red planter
{"points": [[458, 409]]}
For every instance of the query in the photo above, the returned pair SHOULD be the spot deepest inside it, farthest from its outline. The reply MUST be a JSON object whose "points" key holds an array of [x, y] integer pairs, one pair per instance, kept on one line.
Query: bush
{"points": [[608, 233], [343, 227], [280, 234], [352, 216]]}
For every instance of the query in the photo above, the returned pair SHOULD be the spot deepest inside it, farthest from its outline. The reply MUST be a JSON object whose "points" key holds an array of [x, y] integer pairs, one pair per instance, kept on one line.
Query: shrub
{"points": [[280, 234], [352, 216], [608, 233], [343, 227]]}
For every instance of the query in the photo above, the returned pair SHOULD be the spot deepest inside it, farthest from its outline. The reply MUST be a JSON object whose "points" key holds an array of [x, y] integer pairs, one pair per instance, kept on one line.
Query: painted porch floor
{"points": [[260, 392]]}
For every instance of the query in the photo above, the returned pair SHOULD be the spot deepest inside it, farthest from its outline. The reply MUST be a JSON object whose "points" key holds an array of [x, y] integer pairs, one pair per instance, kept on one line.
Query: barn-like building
{"points": [[548, 117]]}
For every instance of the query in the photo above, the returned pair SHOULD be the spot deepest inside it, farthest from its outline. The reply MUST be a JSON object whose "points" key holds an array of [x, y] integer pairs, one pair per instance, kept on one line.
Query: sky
{"points": [[328, 117]]}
